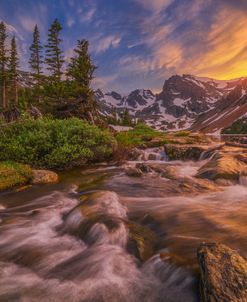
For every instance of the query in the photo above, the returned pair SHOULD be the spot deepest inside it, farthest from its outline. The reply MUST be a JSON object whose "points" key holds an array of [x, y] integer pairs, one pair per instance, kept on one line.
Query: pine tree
{"points": [[36, 59], [126, 120], [13, 65], [3, 62], [54, 55], [81, 68]]}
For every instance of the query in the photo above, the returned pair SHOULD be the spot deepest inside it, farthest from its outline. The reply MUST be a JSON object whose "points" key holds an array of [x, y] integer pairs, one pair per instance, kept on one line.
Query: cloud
{"points": [[105, 43], [87, 17], [27, 23], [70, 21], [155, 5]]}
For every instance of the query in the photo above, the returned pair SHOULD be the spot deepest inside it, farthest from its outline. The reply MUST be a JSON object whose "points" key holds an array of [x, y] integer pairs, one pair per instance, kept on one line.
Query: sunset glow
{"points": [[140, 43]]}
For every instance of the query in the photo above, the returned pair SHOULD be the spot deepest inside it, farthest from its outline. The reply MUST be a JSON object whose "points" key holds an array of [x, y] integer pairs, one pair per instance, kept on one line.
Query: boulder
{"points": [[189, 151], [44, 177], [133, 172], [223, 274], [152, 156], [144, 167], [222, 166], [142, 241]]}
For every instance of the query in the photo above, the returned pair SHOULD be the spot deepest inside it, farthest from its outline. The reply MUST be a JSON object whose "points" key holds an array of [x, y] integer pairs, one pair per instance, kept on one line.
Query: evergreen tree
{"points": [[13, 65], [36, 59], [126, 120], [3, 62], [54, 55], [81, 68]]}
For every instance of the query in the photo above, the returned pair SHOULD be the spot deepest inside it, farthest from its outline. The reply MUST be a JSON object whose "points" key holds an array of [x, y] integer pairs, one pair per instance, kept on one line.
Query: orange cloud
{"points": [[225, 54]]}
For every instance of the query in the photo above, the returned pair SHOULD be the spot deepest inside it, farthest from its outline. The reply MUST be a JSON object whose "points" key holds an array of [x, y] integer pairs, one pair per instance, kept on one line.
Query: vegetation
{"points": [[182, 133], [53, 143], [13, 65], [13, 174], [238, 127], [36, 61], [3, 63]]}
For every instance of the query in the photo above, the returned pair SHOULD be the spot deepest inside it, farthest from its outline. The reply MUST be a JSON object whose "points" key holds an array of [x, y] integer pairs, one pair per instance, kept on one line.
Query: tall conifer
{"points": [[81, 68], [3, 62], [13, 65], [36, 59], [54, 54]]}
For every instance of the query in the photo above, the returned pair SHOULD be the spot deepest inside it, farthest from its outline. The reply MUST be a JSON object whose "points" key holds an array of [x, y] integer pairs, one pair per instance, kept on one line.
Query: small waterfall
{"points": [[154, 154]]}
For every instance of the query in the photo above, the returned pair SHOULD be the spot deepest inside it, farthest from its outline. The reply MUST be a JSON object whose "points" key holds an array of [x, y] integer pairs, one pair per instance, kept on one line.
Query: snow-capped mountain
{"points": [[182, 102], [227, 110]]}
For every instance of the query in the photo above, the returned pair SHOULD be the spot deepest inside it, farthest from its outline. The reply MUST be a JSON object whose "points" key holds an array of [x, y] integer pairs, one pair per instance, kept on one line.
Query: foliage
{"points": [[51, 143], [36, 60], [3, 62], [54, 55], [182, 133], [81, 69], [13, 174], [238, 127], [136, 137], [126, 119], [13, 65]]}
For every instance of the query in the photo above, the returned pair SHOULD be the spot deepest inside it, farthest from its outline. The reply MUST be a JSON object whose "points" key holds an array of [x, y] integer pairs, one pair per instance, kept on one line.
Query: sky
{"points": [[140, 43]]}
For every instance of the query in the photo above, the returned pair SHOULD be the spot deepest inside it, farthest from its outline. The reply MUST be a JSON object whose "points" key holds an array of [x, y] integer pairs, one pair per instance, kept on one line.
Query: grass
{"points": [[13, 175]]}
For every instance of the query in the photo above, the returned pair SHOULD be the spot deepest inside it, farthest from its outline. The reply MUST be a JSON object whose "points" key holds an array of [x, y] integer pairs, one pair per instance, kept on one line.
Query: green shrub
{"points": [[182, 133], [53, 143], [14, 174], [136, 137]]}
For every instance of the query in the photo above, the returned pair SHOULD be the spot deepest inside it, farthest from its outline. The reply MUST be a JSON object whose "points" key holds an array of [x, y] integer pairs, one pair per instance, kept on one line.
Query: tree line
{"points": [[52, 80]]}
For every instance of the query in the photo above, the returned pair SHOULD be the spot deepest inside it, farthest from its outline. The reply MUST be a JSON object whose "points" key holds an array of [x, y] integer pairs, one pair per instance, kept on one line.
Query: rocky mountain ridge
{"points": [[185, 102]]}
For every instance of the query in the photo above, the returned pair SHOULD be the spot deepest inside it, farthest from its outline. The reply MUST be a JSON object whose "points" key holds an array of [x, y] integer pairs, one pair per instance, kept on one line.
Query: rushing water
{"points": [[42, 260]]}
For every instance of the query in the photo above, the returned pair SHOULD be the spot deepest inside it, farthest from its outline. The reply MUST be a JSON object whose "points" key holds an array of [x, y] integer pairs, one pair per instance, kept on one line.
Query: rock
{"points": [[223, 274], [184, 152], [144, 168], [152, 156], [135, 154], [222, 166], [142, 241], [133, 172], [189, 151], [44, 177]]}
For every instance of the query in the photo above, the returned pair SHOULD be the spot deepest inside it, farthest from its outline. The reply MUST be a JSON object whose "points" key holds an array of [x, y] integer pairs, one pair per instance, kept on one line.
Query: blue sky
{"points": [[140, 43]]}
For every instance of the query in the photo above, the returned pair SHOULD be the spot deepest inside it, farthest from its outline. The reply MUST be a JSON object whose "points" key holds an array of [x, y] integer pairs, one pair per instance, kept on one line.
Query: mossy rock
{"points": [[143, 242], [13, 175]]}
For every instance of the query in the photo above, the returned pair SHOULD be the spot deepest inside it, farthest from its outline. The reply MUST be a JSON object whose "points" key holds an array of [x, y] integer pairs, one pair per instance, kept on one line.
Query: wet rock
{"points": [[144, 167], [223, 274], [184, 152], [189, 151], [142, 241], [222, 166], [133, 172], [44, 177], [152, 156], [135, 154], [97, 220]]}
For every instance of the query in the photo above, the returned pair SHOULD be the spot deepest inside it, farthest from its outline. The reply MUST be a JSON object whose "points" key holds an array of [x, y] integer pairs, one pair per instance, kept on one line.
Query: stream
{"points": [[42, 259]]}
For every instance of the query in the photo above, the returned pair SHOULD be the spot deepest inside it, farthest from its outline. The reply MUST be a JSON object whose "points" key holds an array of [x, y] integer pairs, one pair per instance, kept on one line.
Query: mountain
{"points": [[185, 102], [227, 110]]}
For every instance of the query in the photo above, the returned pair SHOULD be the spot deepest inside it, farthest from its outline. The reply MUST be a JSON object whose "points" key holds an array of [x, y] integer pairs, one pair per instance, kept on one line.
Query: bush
{"points": [[14, 174], [182, 133], [52, 143], [139, 135]]}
